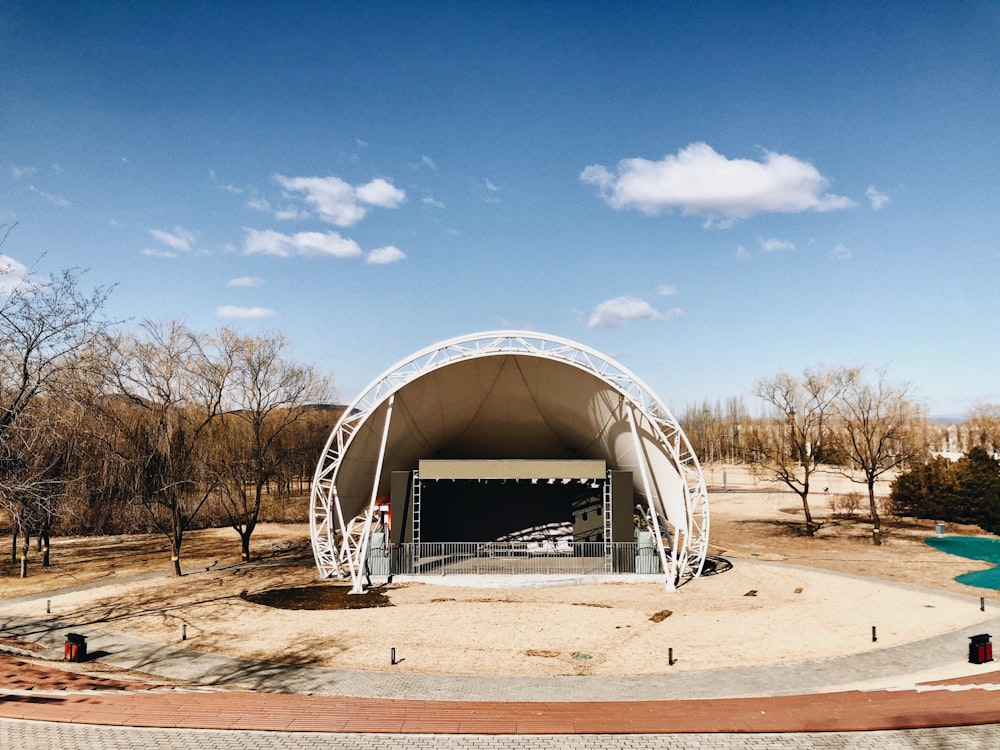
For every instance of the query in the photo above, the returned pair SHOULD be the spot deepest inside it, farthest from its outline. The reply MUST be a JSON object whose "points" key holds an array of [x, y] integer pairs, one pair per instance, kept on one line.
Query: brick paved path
{"points": [[40, 692], [52, 736]]}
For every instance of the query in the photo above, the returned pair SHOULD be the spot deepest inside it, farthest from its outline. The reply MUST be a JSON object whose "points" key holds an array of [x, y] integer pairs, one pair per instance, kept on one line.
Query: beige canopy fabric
{"points": [[518, 396], [519, 468]]}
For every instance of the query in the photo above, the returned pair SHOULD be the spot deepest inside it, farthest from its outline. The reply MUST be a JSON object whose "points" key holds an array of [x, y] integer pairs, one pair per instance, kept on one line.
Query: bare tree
{"points": [[39, 465], [789, 447], [880, 429], [716, 433], [47, 323], [266, 396], [984, 424], [173, 385]]}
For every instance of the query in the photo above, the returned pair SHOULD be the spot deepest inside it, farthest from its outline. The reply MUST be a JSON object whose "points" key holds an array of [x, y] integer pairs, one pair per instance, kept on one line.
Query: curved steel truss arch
{"points": [[339, 543]]}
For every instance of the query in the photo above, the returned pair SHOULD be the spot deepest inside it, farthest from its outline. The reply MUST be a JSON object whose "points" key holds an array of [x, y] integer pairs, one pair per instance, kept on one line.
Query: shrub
{"points": [[845, 506]]}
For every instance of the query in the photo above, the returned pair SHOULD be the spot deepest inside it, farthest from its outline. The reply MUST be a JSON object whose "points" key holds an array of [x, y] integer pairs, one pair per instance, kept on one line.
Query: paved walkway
{"points": [[44, 692], [882, 690], [48, 736]]}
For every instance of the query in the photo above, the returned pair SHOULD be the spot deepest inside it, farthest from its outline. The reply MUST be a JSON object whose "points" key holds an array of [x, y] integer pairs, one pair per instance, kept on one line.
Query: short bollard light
{"points": [[184, 632], [670, 657], [874, 636], [392, 656]]}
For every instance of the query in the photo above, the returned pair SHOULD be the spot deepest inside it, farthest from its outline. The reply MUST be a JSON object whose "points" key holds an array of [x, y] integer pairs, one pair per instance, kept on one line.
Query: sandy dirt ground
{"points": [[755, 613]]}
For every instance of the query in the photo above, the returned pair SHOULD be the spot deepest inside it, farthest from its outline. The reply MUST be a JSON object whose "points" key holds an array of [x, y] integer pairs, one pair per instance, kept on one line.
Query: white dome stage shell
{"points": [[506, 395]]}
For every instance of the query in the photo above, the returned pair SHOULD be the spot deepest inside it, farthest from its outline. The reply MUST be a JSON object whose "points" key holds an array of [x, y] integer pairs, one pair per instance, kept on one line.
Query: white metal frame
{"points": [[347, 558]]}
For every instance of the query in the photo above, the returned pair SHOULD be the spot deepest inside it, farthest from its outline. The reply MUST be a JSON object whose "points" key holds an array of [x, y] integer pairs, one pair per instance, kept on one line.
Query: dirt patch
{"points": [[329, 596]]}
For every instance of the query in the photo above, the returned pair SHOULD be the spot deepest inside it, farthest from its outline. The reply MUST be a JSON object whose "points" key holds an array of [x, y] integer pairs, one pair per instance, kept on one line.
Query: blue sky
{"points": [[707, 192]]}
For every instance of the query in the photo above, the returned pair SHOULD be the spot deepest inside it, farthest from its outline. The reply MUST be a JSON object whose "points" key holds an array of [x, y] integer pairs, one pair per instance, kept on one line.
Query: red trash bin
{"points": [[75, 648], [980, 649]]}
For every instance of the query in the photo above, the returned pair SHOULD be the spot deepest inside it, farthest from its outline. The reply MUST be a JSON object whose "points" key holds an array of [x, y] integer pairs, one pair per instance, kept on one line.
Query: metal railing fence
{"points": [[514, 558]]}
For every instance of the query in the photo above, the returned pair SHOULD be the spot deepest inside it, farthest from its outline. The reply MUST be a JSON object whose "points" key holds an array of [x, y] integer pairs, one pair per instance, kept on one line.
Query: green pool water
{"points": [[973, 548]]}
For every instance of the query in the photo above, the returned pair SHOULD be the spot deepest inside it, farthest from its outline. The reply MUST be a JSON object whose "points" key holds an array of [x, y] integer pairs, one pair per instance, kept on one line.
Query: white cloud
{"points": [[702, 182], [491, 187], [773, 244], [338, 202], [325, 243], [290, 212], [380, 193], [258, 204], [332, 198], [56, 199], [246, 282], [877, 198], [425, 161], [840, 252], [613, 313], [158, 252], [269, 242], [232, 312], [432, 202], [180, 239], [666, 290], [13, 273], [18, 172], [742, 253], [385, 255]]}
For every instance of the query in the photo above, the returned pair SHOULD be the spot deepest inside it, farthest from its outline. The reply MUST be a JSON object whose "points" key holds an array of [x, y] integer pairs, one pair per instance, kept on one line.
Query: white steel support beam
{"points": [[358, 571], [669, 566]]}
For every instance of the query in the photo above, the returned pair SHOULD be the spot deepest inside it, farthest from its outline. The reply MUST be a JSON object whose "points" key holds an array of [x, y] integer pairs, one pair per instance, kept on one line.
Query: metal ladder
{"points": [[608, 562], [415, 496]]}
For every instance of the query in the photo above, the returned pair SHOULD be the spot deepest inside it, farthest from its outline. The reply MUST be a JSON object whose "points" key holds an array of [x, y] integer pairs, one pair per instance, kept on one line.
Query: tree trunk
{"points": [[245, 545], [175, 554], [250, 521], [810, 526], [876, 521], [25, 548], [45, 538], [176, 534], [13, 545], [175, 560]]}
